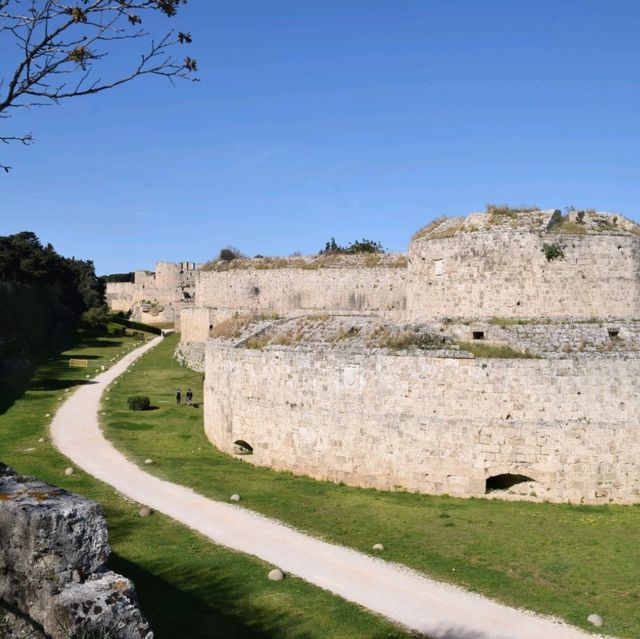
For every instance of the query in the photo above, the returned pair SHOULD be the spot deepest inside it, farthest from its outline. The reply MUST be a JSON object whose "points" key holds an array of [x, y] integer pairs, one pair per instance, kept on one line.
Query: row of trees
{"points": [[25, 260]]}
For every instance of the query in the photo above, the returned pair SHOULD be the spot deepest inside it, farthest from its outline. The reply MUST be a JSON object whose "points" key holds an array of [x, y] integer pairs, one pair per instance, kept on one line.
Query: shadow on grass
{"points": [[43, 369], [176, 612], [97, 342], [130, 426], [57, 384]]}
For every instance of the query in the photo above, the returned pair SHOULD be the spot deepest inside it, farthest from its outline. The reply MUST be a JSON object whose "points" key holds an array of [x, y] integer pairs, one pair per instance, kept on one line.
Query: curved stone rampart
{"points": [[472, 268], [432, 424]]}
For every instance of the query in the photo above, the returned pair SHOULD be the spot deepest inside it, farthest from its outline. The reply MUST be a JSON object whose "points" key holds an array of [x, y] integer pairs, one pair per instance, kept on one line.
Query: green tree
{"points": [[359, 246]]}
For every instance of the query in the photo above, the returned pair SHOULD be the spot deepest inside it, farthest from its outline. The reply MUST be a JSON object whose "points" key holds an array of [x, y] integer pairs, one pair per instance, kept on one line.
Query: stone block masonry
{"points": [[431, 424], [286, 291], [501, 271], [54, 583]]}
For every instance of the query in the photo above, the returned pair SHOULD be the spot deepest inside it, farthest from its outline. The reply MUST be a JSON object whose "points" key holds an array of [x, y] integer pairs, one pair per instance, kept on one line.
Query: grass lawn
{"points": [[564, 560], [188, 587]]}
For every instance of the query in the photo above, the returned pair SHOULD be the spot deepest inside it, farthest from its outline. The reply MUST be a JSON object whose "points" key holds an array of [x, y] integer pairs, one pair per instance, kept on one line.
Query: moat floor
{"points": [[439, 610]]}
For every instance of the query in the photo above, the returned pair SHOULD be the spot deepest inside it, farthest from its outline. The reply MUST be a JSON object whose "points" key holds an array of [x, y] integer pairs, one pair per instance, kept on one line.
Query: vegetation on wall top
{"points": [[359, 246]]}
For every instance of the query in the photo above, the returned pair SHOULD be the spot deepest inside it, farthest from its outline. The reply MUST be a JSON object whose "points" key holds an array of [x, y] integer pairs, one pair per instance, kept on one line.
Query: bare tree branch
{"points": [[58, 46]]}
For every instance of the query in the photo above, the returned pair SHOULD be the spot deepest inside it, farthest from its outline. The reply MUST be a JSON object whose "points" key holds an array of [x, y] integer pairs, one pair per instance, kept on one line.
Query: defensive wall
{"points": [[295, 290], [473, 268], [483, 267], [432, 424], [562, 426], [155, 297]]}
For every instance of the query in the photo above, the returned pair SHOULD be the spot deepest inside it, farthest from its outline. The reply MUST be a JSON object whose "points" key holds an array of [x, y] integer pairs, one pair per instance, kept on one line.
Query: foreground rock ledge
{"points": [[54, 582]]}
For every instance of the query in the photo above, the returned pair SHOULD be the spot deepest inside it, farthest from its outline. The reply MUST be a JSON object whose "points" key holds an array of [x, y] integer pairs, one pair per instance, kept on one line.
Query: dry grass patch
{"points": [[483, 349]]}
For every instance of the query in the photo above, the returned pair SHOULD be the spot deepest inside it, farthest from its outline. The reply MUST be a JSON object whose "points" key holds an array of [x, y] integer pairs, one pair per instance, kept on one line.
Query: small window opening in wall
{"points": [[240, 447], [502, 482], [478, 334], [613, 332]]}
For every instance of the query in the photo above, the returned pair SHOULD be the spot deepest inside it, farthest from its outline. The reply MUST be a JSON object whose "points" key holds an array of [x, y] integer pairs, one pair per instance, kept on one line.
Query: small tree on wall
{"points": [[553, 251], [359, 246]]}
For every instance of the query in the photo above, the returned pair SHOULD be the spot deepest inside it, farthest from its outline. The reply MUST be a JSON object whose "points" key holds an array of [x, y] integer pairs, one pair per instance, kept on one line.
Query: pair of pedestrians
{"points": [[188, 397]]}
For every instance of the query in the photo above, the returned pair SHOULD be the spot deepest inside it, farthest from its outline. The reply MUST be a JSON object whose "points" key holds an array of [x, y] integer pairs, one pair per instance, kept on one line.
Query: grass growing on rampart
{"points": [[485, 349], [187, 586], [566, 560]]}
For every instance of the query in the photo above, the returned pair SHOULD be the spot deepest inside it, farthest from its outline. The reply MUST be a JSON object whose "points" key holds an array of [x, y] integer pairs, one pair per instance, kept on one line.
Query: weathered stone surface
{"points": [[106, 601], [53, 576], [432, 424]]}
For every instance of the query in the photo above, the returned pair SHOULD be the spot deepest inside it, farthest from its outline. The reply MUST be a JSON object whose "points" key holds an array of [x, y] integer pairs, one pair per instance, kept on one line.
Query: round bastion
{"points": [[525, 264], [546, 406]]}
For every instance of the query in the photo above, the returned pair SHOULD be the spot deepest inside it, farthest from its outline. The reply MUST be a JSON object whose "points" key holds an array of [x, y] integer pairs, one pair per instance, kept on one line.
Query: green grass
{"points": [[514, 321], [485, 349], [563, 560], [187, 586]]}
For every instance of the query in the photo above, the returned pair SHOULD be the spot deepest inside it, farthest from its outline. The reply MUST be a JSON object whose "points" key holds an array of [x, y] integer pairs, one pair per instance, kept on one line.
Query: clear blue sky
{"points": [[345, 118]]}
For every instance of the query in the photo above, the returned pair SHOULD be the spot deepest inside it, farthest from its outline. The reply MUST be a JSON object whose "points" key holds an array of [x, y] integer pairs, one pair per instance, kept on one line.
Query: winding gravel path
{"points": [[439, 610]]}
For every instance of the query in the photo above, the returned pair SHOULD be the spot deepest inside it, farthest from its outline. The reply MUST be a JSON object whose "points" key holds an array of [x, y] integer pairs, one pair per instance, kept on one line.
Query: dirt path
{"points": [[439, 610]]}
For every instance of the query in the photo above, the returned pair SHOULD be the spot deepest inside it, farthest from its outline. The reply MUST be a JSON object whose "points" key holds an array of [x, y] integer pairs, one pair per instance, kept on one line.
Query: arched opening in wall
{"points": [[240, 447], [505, 481]]}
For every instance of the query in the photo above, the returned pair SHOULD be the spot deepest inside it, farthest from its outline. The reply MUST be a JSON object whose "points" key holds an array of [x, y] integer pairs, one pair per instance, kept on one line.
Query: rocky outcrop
{"points": [[54, 582]]}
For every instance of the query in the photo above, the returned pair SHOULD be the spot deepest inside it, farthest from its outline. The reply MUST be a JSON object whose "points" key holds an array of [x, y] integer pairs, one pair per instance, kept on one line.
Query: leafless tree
{"points": [[51, 50]]}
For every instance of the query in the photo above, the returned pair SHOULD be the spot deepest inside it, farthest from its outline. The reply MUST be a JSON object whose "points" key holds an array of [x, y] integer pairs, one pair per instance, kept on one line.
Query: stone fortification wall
{"points": [[430, 424], [553, 340], [53, 577], [195, 324], [121, 295], [191, 355], [481, 267], [155, 297], [287, 291], [174, 282]]}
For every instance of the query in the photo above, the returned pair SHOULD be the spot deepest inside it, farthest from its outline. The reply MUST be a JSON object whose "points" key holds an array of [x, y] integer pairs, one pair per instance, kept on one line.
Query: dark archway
{"points": [[505, 481], [242, 448]]}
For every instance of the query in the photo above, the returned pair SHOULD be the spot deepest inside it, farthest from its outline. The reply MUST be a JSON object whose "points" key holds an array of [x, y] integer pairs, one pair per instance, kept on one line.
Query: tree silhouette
{"points": [[57, 47]]}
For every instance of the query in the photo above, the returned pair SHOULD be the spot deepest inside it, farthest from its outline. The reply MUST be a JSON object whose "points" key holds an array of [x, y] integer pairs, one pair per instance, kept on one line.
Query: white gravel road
{"points": [[406, 597]]}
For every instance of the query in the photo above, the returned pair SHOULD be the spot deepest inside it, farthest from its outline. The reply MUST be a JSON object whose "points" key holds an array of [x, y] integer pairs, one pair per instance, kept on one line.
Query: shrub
{"points": [[138, 402], [359, 246], [230, 253], [553, 251], [96, 317]]}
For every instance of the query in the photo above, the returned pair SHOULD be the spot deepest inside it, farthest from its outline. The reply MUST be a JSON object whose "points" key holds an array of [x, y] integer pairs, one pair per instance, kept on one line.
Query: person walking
{"points": [[178, 397], [189, 397]]}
